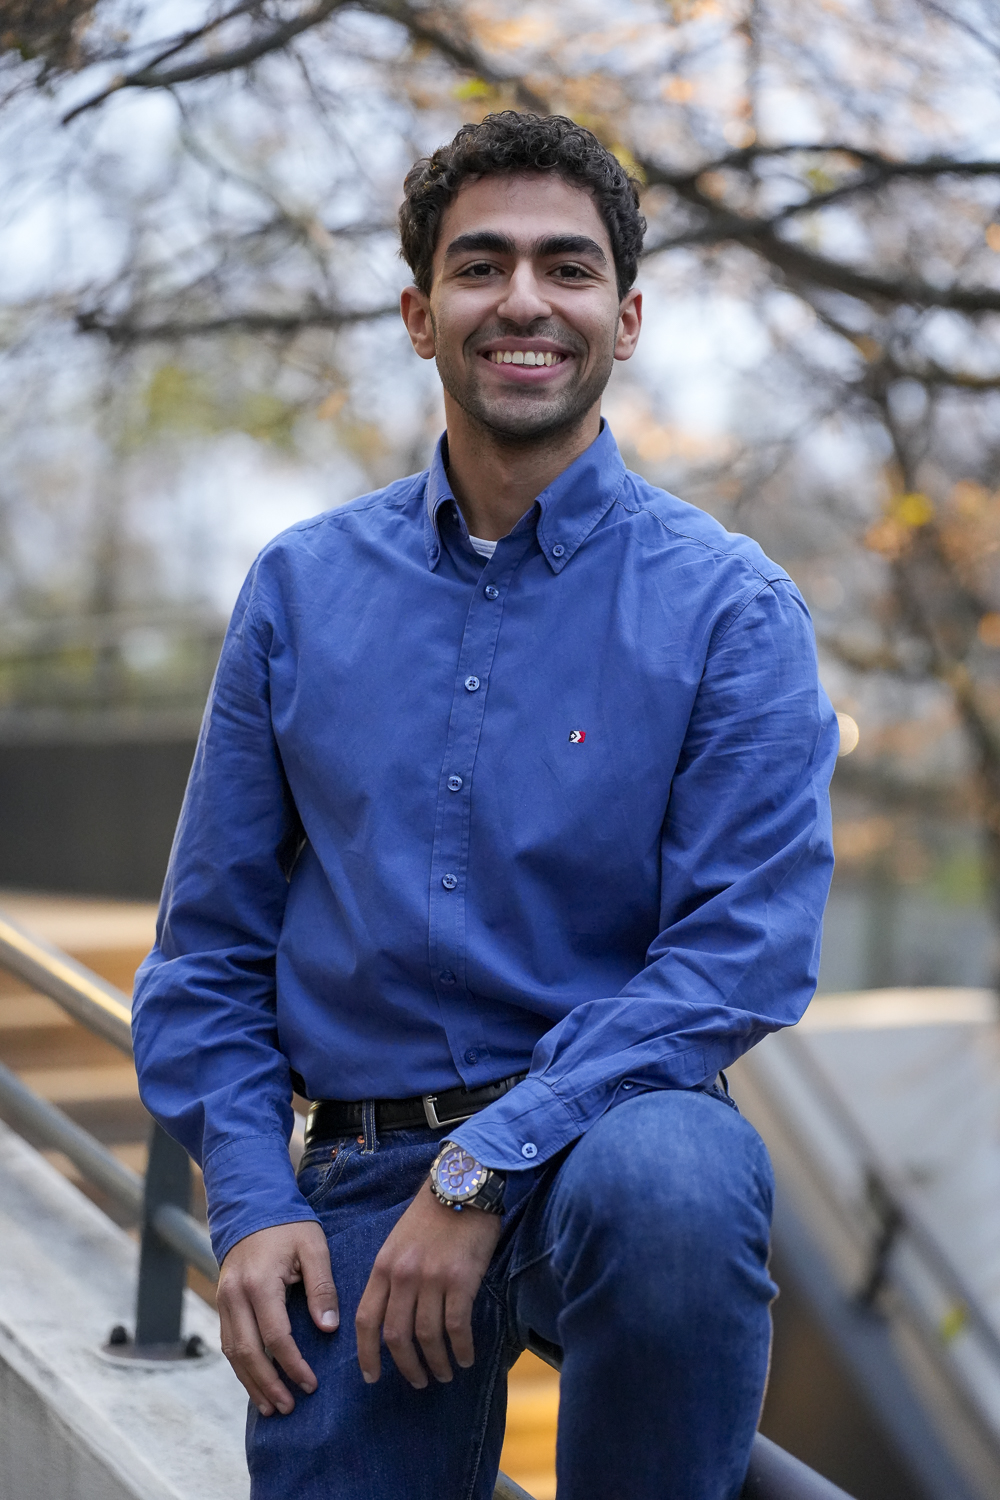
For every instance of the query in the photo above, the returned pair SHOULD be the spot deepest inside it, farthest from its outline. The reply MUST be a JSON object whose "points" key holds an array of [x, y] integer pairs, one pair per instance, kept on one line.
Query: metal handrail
{"points": [[106, 1010], [773, 1474], [87, 997], [906, 1215], [45, 1122]]}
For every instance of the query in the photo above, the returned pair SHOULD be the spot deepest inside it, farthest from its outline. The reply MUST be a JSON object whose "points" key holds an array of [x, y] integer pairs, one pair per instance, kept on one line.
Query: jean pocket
{"points": [[320, 1170]]}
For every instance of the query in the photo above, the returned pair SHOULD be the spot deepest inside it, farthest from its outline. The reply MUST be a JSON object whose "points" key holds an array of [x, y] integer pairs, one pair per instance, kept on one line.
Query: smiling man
{"points": [[507, 830]]}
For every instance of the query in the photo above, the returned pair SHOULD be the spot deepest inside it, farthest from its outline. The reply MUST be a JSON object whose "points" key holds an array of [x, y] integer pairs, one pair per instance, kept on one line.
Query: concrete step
{"points": [[75, 1424]]}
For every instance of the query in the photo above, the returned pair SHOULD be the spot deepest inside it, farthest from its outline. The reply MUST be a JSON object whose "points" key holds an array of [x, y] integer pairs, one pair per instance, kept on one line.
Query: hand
{"points": [[252, 1284], [423, 1284]]}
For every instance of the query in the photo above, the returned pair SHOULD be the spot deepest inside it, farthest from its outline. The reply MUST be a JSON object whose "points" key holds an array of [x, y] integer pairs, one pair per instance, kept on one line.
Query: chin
{"points": [[522, 423]]}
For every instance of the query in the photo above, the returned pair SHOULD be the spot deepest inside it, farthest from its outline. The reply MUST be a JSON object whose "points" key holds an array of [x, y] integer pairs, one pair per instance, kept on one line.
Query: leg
{"points": [[647, 1265], [351, 1441]]}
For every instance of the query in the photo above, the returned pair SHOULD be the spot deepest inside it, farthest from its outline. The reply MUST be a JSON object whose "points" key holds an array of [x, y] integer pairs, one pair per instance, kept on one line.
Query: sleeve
{"points": [[746, 860], [204, 1022]]}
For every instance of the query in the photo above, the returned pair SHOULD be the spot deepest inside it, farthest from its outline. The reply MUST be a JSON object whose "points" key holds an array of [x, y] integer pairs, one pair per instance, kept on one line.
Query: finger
{"points": [[317, 1279], [276, 1333], [368, 1326], [243, 1346], [397, 1330], [258, 1397], [428, 1327], [458, 1326], [253, 1390]]}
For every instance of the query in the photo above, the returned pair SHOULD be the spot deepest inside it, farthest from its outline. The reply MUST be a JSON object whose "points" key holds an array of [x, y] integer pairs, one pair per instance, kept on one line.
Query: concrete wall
{"points": [[75, 1425], [93, 817]]}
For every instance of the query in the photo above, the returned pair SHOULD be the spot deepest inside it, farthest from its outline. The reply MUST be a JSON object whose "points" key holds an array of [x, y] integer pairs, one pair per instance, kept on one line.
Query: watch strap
{"points": [[490, 1195]]}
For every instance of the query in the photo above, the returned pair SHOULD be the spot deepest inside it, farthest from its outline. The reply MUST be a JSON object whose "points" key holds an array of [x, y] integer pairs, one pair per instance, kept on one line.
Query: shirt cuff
{"points": [[523, 1129], [250, 1184]]}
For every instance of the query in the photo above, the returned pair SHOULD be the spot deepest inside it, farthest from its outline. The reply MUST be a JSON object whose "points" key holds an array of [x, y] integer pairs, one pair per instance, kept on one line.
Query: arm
{"points": [[746, 858], [206, 1047]]}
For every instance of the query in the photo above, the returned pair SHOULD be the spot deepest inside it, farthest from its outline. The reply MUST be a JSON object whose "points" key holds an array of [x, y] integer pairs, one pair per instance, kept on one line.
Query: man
{"points": [[516, 767]]}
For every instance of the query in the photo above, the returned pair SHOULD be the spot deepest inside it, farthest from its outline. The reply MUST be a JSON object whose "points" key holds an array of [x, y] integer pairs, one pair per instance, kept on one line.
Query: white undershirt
{"points": [[482, 546]]}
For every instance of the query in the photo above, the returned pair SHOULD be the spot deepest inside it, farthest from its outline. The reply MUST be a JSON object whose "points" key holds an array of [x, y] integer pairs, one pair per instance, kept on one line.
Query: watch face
{"points": [[458, 1176]]}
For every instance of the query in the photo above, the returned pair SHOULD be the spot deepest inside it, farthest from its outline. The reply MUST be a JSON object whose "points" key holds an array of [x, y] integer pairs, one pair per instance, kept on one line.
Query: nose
{"points": [[524, 297]]}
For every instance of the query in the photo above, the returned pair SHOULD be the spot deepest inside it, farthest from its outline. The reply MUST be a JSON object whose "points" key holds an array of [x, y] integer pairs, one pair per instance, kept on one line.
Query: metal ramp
{"points": [[881, 1113]]}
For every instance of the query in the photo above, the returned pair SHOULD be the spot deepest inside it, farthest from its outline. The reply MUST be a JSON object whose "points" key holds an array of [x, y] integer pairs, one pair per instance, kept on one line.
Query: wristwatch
{"points": [[459, 1181]]}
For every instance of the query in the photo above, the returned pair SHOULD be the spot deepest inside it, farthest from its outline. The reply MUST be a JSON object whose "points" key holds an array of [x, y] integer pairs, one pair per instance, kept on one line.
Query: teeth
{"points": [[523, 357]]}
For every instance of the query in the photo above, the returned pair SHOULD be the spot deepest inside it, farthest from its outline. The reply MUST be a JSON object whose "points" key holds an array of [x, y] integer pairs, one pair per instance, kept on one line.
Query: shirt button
{"points": [[446, 976], [472, 1056], [558, 550], [454, 783], [449, 882], [626, 1085], [472, 684], [491, 591], [529, 1149]]}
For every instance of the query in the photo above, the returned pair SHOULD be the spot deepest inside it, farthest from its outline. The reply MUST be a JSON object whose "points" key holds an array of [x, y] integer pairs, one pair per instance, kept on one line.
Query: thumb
{"points": [[317, 1280]]}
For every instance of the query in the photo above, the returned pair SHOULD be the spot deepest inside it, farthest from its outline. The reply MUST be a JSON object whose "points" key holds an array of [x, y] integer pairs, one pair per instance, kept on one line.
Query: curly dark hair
{"points": [[514, 142]]}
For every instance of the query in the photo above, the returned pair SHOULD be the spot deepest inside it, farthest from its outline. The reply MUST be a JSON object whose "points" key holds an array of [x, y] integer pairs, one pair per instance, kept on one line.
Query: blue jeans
{"points": [[641, 1253]]}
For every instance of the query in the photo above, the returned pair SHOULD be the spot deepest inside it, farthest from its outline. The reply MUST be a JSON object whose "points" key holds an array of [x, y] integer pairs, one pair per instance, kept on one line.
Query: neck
{"points": [[496, 479]]}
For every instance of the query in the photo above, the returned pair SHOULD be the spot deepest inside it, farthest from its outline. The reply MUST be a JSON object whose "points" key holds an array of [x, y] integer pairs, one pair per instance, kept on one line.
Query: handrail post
{"points": [[162, 1272]]}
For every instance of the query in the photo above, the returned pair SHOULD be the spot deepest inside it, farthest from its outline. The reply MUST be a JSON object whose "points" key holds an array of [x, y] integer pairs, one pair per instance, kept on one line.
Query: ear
{"points": [[629, 324], [415, 310]]}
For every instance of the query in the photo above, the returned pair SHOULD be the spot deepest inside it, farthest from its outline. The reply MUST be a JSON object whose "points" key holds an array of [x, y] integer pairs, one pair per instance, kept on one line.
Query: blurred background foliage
{"points": [[199, 341]]}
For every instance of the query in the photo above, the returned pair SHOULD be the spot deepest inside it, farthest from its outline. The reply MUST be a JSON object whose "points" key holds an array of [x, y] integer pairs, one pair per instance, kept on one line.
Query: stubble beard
{"points": [[528, 417]]}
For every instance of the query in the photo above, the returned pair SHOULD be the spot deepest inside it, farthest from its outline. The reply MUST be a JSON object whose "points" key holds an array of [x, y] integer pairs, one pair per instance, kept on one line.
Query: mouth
{"points": [[532, 358], [528, 362]]}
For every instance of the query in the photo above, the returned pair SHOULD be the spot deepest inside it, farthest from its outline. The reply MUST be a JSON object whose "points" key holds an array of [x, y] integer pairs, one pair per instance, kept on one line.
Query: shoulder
{"points": [[367, 514], [324, 544], [321, 553], [687, 535]]}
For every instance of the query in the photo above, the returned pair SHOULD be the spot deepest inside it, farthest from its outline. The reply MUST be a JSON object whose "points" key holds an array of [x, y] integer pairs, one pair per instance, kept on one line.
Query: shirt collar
{"points": [[567, 511]]}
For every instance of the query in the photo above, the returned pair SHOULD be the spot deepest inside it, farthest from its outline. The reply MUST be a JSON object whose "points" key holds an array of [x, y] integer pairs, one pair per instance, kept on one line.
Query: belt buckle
{"points": [[431, 1114]]}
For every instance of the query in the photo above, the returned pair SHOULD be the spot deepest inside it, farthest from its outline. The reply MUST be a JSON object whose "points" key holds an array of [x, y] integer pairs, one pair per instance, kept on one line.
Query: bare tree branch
{"points": [[460, 52], [743, 158], [124, 333], [149, 77], [722, 225], [801, 265], [961, 24], [177, 44]]}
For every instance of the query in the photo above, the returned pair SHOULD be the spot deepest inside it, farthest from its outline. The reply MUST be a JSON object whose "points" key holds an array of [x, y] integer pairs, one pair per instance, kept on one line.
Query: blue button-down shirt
{"points": [[449, 819]]}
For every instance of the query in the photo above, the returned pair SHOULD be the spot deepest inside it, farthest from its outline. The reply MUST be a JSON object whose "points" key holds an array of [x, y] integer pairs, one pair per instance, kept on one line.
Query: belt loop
{"points": [[368, 1125]]}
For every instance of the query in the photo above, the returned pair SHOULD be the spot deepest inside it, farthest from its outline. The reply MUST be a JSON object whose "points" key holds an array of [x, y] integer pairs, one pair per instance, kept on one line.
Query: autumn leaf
{"points": [[913, 510]]}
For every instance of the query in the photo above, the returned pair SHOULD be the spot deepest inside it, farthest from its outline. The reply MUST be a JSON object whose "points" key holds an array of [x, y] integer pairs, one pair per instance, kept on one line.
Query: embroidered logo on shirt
{"points": [[577, 736]]}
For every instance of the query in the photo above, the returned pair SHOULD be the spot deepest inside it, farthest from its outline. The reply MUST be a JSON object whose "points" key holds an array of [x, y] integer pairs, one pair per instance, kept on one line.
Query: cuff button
{"points": [[529, 1150]]}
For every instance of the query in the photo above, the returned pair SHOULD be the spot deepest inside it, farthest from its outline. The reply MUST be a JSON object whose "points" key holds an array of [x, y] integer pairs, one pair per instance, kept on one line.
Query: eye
{"points": [[572, 273], [478, 270]]}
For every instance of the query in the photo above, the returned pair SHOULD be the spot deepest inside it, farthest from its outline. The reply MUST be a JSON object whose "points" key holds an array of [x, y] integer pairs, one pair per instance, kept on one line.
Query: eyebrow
{"points": [[502, 244]]}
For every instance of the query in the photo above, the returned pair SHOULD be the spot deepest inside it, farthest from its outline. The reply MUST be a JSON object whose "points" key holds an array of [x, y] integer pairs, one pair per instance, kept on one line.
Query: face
{"points": [[523, 316]]}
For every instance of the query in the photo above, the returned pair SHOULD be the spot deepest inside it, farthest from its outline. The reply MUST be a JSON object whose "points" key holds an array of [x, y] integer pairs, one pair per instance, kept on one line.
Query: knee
{"points": [[673, 1177]]}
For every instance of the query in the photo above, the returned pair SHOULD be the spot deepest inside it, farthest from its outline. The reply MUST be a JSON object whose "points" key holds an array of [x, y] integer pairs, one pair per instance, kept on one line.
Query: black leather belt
{"points": [[333, 1117]]}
